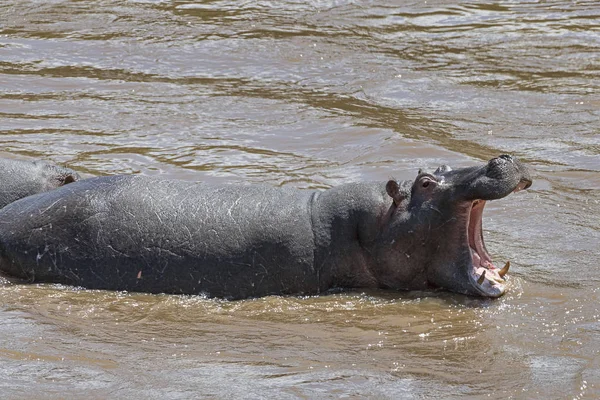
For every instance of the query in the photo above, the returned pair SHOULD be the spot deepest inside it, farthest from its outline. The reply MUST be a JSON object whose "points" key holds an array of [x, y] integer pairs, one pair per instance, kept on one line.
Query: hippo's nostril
{"points": [[506, 157]]}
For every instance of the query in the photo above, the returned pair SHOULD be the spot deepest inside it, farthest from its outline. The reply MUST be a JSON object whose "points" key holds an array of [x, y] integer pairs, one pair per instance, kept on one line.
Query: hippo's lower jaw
{"points": [[485, 277]]}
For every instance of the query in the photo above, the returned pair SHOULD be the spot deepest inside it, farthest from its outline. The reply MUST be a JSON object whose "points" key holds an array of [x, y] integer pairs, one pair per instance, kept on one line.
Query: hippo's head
{"points": [[434, 226], [22, 178], [55, 176]]}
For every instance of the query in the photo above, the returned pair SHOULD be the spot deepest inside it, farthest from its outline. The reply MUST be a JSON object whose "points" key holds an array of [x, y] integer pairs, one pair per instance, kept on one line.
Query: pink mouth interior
{"points": [[481, 260], [484, 274], [481, 257]]}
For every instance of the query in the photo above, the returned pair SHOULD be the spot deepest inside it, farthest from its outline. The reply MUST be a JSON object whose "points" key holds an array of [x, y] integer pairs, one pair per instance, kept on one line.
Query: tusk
{"points": [[481, 278], [504, 269]]}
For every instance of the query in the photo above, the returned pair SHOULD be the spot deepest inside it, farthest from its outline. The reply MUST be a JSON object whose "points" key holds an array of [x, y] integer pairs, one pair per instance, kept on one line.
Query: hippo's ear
{"points": [[68, 178], [441, 169], [393, 190]]}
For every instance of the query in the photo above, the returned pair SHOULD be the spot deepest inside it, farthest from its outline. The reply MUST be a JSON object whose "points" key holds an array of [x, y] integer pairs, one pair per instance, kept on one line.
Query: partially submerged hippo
{"points": [[138, 233], [19, 178]]}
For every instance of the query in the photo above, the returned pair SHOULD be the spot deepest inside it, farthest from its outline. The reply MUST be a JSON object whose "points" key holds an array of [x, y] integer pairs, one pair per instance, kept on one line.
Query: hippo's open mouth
{"points": [[484, 275]]}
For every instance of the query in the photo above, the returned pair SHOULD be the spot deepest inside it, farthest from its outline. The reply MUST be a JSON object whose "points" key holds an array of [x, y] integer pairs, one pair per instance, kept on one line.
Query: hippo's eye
{"points": [[427, 182]]}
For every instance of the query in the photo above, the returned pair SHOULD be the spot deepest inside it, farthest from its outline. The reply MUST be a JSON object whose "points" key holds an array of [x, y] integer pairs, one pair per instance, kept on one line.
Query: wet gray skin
{"points": [[21, 178], [137, 233]]}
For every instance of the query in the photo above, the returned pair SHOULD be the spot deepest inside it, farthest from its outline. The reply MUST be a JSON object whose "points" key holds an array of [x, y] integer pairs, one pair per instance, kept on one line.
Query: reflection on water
{"points": [[380, 343], [313, 94]]}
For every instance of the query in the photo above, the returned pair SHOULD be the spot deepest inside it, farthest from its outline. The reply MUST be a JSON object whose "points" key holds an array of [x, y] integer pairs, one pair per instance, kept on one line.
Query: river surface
{"points": [[312, 94]]}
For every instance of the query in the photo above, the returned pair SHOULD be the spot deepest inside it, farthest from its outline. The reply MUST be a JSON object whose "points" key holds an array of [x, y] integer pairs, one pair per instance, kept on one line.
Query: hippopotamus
{"points": [[20, 178], [235, 241]]}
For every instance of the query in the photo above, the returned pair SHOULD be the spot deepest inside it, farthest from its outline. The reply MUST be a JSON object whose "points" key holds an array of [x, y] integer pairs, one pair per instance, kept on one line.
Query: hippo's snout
{"points": [[506, 167], [499, 178]]}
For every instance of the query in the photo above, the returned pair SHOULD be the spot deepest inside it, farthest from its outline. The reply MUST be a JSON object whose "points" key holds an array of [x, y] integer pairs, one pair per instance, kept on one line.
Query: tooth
{"points": [[504, 269], [481, 278]]}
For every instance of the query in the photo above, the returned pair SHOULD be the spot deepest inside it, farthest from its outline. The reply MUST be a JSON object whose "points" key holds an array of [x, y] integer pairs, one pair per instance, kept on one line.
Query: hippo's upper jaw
{"points": [[442, 213]]}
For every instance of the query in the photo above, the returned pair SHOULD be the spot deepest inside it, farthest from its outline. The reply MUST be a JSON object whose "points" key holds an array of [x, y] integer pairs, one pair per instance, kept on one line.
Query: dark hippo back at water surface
{"points": [[315, 94]]}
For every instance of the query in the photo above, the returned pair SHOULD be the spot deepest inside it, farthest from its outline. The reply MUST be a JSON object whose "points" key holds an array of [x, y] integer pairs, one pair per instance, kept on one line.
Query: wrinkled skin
{"points": [[19, 178], [142, 234]]}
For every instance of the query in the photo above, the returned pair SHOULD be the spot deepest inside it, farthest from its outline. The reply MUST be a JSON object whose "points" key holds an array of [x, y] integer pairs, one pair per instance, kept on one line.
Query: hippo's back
{"points": [[138, 233]]}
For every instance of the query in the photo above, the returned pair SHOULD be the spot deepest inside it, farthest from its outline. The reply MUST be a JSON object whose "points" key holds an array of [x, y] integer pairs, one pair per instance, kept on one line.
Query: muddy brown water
{"points": [[313, 94]]}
